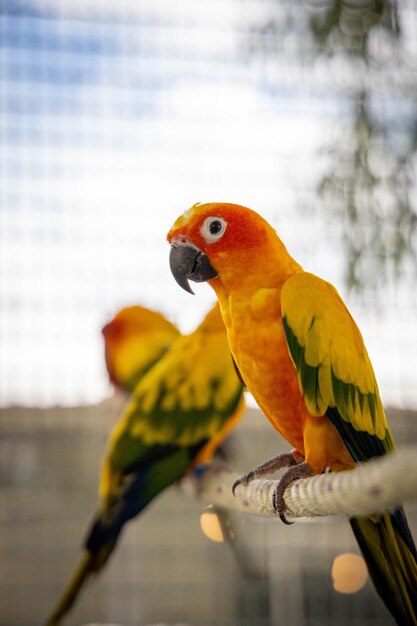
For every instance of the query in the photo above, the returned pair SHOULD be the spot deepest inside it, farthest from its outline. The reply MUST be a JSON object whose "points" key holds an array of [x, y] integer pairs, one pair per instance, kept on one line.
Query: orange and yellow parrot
{"points": [[135, 339], [180, 411], [303, 358]]}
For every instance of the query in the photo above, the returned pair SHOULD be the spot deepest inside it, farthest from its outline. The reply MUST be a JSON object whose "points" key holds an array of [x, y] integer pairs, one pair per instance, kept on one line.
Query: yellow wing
{"points": [[334, 371], [188, 401]]}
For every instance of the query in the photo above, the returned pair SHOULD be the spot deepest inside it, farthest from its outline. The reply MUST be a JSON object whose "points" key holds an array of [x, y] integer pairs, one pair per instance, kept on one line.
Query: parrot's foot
{"points": [[301, 470], [285, 459]]}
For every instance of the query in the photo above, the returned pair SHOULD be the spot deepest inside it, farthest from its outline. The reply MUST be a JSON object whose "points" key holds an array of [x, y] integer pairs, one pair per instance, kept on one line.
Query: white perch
{"points": [[378, 485]]}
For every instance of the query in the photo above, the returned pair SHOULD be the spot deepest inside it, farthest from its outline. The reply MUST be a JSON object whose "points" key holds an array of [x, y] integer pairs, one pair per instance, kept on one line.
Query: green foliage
{"points": [[368, 185], [340, 25], [369, 180]]}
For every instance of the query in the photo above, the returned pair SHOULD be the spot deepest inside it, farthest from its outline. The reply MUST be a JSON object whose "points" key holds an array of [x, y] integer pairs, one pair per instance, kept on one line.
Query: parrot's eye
{"points": [[213, 229]]}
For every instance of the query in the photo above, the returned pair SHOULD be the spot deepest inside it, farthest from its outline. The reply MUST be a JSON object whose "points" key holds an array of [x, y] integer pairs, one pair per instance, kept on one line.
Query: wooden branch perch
{"points": [[380, 484]]}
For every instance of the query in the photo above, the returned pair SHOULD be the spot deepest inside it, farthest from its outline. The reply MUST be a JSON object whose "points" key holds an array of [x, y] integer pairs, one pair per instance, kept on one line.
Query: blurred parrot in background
{"points": [[134, 340], [303, 358], [181, 410]]}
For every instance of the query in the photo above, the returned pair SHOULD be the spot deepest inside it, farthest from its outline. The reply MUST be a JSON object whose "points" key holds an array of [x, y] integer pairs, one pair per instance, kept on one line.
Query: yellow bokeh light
{"points": [[349, 573], [210, 526]]}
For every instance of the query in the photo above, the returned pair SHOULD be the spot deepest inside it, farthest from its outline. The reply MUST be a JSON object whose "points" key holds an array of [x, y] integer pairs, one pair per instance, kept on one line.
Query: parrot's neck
{"points": [[253, 269]]}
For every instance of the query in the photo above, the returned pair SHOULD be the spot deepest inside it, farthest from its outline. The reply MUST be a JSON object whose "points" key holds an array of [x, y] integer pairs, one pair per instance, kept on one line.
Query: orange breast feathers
{"points": [[273, 379], [277, 395]]}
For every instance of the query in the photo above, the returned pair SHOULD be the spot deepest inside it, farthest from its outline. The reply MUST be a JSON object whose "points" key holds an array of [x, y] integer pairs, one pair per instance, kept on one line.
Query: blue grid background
{"points": [[114, 118]]}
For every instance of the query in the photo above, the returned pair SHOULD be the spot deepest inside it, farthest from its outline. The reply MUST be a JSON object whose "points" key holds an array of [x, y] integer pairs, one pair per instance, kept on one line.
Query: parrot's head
{"points": [[134, 321], [220, 241]]}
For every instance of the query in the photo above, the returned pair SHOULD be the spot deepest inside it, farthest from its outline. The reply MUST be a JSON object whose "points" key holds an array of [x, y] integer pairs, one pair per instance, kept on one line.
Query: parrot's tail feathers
{"points": [[90, 565], [100, 543], [104, 534], [390, 554]]}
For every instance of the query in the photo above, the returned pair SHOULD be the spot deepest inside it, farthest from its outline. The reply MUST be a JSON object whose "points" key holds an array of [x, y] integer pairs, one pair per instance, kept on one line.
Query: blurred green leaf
{"points": [[368, 185]]}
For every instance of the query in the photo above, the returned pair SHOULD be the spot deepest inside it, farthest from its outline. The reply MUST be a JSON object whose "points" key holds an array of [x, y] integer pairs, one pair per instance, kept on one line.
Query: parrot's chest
{"points": [[257, 340]]}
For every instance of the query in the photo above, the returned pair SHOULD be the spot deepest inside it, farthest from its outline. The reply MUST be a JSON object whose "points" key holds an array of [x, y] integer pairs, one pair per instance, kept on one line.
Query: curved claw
{"points": [[278, 504], [302, 470], [284, 519], [243, 480]]}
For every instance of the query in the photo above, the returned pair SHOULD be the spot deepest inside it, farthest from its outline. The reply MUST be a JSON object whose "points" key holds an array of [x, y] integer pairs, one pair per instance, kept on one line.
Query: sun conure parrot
{"points": [[135, 339], [303, 358], [180, 411]]}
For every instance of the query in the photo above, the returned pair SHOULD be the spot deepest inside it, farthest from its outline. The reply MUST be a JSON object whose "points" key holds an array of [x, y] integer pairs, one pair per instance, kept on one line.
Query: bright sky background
{"points": [[114, 121]]}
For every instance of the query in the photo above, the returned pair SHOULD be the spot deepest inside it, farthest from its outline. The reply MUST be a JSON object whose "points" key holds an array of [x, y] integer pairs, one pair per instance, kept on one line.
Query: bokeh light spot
{"points": [[349, 573], [210, 526]]}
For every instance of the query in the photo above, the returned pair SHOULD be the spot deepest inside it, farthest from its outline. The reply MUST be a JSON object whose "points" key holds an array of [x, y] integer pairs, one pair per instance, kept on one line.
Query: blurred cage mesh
{"points": [[114, 118]]}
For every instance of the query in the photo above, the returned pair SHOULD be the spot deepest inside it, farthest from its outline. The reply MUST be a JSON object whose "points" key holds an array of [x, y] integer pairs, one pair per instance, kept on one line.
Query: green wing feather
{"points": [[182, 402], [335, 374], [336, 378], [178, 408]]}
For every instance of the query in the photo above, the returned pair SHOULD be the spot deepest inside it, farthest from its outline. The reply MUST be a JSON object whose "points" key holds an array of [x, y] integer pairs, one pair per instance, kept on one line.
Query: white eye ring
{"points": [[213, 229]]}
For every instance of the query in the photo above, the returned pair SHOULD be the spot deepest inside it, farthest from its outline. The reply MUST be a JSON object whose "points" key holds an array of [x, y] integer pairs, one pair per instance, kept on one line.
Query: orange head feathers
{"points": [[134, 339], [225, 241], [219, 226]]}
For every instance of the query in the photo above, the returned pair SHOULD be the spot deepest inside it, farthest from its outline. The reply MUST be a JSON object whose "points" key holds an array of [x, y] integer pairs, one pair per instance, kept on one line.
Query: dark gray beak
{"points": [[188, 263]]}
